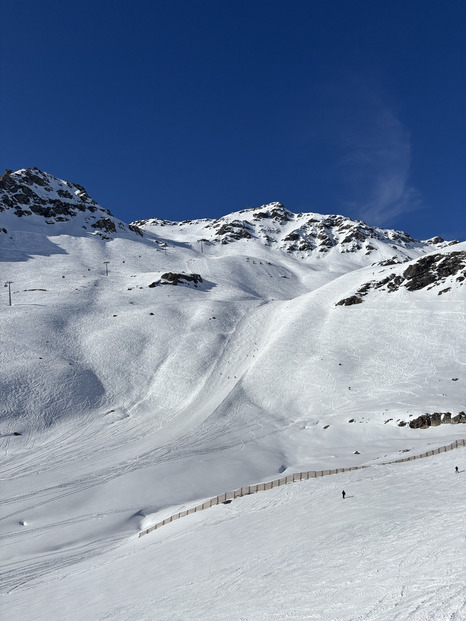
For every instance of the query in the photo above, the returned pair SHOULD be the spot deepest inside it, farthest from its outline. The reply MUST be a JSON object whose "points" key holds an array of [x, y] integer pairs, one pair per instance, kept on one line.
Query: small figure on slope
{"points": [[343, 493]]}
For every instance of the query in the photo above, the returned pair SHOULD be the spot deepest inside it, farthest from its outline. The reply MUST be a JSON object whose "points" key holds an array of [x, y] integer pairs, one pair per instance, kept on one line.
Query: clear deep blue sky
{"points": [[195, 108]]}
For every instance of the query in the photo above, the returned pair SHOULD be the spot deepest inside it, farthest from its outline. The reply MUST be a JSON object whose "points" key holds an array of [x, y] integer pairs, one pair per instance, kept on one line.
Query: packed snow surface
{"points": [[392, 550], [125, 400]]}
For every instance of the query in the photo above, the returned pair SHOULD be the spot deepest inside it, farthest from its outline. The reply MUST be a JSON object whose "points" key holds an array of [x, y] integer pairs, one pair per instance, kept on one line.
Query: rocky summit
{"points": [[303, 235], [321, 247], [39, 197]]}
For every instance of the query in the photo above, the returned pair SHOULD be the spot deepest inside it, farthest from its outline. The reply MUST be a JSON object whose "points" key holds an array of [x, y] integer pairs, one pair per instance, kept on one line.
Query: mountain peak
{"points": [[39, 198], [30, 191], [307, 236]]}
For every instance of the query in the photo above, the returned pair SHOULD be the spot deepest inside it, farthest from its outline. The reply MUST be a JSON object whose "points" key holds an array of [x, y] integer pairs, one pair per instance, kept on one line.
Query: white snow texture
{"points": [[124, 403]]}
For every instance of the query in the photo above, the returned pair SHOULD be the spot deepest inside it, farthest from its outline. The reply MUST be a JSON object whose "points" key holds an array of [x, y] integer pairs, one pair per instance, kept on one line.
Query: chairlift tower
{"points": [[8, 284]]}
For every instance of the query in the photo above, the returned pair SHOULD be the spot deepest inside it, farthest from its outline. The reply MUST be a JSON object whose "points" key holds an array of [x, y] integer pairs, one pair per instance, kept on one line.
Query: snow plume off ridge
{"points": [[145, 367]]}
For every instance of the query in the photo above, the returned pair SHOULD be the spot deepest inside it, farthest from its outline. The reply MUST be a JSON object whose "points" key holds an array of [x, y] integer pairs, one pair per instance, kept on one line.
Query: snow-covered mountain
{"points": [[244, 264], [40, 199], [146, 366], [304, 235]]}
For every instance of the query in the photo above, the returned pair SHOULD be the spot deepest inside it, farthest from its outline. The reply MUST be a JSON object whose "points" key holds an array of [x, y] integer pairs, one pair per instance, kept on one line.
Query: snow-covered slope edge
{"points": [[292, 552], [30, 199], [132, 399], [148, 526]]}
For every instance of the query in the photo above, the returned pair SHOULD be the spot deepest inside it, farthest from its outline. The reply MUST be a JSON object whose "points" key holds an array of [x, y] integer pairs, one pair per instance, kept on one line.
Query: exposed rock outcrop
{"points": [[171, 278], [430, 271], [105, 224], [30, 192], [434, 269], [233, 231], [435, 419], [303, 234], [354, 299]]}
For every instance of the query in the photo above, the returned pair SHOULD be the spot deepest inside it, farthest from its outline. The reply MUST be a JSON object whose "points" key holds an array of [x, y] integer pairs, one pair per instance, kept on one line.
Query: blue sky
{"points": [[188, 109]]}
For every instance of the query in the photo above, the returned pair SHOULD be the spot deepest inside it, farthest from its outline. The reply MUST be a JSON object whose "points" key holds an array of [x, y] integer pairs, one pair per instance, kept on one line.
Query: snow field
{"points": [[392, 550], [136, 402], [148, 526]]}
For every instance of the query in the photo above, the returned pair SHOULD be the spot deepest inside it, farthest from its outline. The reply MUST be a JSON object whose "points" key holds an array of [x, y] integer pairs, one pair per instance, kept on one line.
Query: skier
{"points": [[456, 469], [343, 493]]}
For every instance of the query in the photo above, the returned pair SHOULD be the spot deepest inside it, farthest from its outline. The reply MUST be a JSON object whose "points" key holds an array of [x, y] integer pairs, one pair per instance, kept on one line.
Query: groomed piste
{"points": [[132, 393], [228, 497]]}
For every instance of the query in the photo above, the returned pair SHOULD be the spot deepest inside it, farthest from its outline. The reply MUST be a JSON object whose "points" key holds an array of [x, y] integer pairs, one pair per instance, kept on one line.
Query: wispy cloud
{"points": [[379, 157], [373, 155]]}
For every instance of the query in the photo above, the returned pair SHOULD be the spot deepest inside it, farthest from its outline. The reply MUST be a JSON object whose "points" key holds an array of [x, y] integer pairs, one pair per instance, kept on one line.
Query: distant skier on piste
{"points": [[456, 469], [343, 493]]}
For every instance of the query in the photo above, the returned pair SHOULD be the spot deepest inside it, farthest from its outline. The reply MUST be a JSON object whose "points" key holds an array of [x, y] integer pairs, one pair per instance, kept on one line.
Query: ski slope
{"points": [[392, 550], [124, 403]]}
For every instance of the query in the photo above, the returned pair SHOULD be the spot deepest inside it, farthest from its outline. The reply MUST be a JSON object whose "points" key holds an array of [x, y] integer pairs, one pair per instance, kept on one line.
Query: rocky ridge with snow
{"points": [[142, 374], [303, 235], [253, 256], [39, 197], [433, 271], [42, 198]]}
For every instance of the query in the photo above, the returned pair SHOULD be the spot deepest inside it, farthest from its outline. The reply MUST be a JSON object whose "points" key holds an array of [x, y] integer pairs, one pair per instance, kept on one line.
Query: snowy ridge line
{"points": [[227, 497]]}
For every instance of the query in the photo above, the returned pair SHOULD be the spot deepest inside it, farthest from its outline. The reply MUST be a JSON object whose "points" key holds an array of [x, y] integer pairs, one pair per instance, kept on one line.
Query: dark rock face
{"points": [[274, 211], [294, 236], [233, 231], [261, 215], [422, 422], [135, 229], [427, 272], [280, 214], [30, 192], [320, 234], [6, 181], [38, 191], [337, 231], [171, 278], [437, 418], [22, 212], [435, 240], [105, 224], [391, 282], [354, 299], [393, 261], [434, 268]]}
